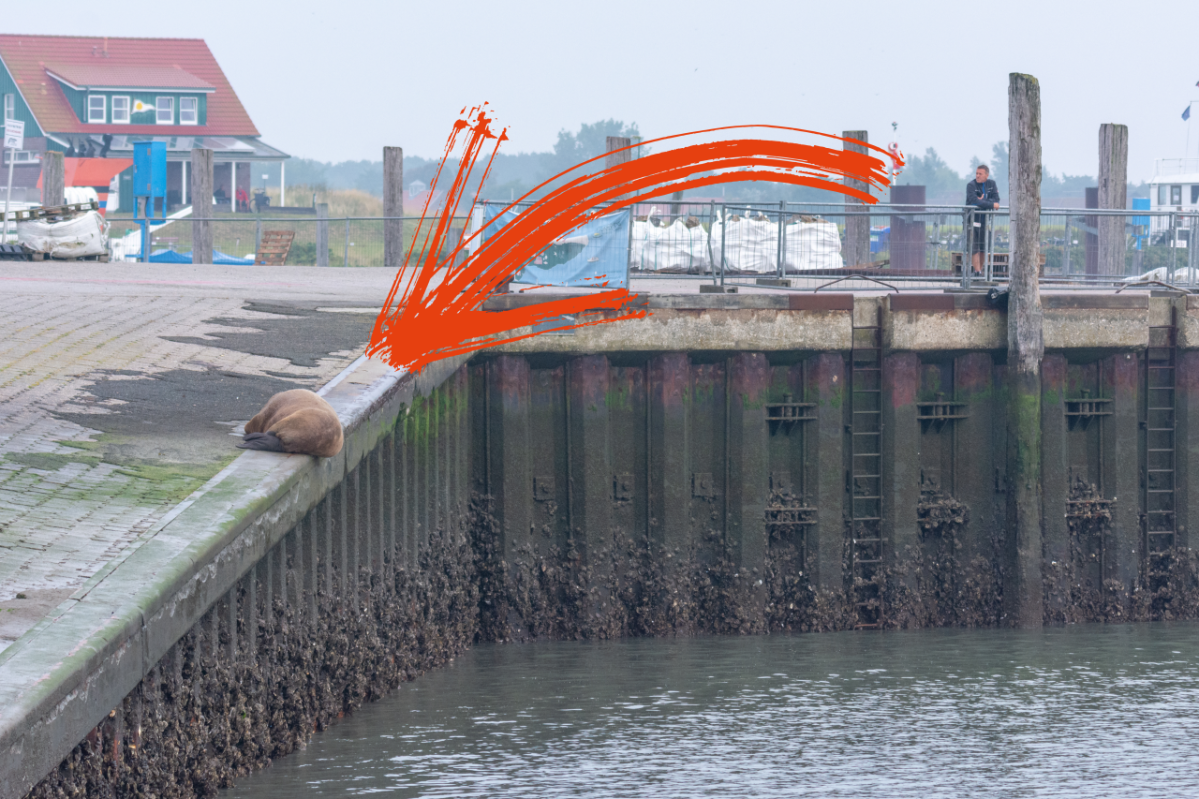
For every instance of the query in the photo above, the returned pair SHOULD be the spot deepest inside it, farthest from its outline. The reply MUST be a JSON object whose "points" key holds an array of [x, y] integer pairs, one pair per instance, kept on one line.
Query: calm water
{"points": [[1089, 711]]}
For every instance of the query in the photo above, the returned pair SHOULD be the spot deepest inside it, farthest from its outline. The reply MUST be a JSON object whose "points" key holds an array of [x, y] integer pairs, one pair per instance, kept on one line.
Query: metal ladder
{"points": [[865, 478], [1159, 477]]}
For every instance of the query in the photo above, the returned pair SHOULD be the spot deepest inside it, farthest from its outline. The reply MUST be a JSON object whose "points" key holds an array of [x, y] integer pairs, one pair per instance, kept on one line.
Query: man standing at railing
{"points": [[981, 193]]}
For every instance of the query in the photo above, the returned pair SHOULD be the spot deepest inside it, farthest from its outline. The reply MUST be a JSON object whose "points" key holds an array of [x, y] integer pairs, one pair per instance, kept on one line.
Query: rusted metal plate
{"points": [[820, 302], [921, 302], [1089, 301]]}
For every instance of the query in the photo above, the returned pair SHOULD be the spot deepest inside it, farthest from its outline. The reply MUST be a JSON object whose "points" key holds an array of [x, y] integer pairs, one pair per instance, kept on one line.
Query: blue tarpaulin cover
{"points": [[218, 258], [590, 255]]}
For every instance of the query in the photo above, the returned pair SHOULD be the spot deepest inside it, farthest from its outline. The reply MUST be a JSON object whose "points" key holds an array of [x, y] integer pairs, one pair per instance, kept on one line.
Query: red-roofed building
{"points": [[93, 97]]}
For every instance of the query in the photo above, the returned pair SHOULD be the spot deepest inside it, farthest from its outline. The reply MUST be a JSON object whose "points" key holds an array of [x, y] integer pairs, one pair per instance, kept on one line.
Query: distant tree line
{"points": [[514, 174], [944, 185]]}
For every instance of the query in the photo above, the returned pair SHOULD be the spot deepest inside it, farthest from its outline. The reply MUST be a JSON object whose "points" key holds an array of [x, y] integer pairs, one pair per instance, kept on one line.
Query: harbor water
{"points": [[1082, 711]]}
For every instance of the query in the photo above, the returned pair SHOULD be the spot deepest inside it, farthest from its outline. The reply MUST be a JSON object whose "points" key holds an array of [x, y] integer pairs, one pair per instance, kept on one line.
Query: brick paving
{"points": [[67, 506]]}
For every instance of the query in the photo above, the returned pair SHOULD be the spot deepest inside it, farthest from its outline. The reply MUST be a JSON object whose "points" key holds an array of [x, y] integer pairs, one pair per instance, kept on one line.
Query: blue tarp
{"points": [[880, 239], [218, 258], [590, 255]]}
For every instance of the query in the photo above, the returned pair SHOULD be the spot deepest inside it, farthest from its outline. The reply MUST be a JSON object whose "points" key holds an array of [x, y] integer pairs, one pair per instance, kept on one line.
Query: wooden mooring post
{"points": [[53, 179], [857, 228], [1113, 194], [201, 195], [1026, 349], [393, 206], [322, 234]]}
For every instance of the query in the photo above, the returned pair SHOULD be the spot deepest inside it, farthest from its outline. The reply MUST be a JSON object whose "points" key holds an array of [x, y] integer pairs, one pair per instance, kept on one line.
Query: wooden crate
{"points": [[53, 213], [275, 246]]}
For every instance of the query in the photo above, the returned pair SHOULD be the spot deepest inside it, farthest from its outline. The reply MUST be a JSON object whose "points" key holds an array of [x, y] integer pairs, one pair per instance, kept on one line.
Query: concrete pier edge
{"points": [[66, 673]]}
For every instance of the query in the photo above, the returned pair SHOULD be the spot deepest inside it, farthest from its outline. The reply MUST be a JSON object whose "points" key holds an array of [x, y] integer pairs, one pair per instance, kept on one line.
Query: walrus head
{"points": [[298, 422]]}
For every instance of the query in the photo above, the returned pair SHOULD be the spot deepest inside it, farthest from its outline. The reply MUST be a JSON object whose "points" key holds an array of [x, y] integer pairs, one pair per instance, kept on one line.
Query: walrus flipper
{"points": [[267, 442]]}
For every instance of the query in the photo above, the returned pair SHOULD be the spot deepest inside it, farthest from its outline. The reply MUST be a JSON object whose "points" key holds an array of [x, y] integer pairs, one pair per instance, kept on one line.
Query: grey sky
{"points": [[338, 80]]}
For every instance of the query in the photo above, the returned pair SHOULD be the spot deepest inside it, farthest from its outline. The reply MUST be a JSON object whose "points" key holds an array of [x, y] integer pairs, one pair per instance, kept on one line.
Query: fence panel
{"points": [[802, 244], [349, 241]]}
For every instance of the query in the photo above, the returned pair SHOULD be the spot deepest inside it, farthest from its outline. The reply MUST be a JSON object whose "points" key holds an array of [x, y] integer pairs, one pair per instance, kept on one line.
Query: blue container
{"points": [[1140, 224], [149, 169], [880, 239]]}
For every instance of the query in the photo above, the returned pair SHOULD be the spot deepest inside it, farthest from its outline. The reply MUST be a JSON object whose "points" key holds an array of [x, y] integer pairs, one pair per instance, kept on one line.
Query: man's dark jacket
{"points": [[982, 195]]}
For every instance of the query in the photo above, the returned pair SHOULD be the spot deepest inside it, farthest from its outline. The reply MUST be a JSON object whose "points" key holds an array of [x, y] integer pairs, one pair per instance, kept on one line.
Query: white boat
{"points": [[1174, 187]]}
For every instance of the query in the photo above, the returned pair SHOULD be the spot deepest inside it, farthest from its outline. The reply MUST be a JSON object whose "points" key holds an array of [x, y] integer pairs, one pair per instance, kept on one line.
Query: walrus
{"points": [[295, 421]]}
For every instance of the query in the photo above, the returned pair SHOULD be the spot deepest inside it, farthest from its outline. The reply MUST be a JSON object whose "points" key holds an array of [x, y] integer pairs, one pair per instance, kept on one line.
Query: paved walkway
{"points": [[123, 388]]}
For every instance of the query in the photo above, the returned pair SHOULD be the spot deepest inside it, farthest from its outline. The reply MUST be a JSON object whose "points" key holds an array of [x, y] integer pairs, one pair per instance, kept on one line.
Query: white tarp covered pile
{"points": [[670, 248], [814, 244], [1182, 275], [750, 246], [82, 237]]}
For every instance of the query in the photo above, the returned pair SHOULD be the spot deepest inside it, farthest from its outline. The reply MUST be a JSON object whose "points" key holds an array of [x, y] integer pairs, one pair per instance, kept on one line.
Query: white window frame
{"points": [[1176, 195], [91, 120], [1163, 191], [158, 109], [195, 120], [10, 106], [22, 156], [128, 109]]}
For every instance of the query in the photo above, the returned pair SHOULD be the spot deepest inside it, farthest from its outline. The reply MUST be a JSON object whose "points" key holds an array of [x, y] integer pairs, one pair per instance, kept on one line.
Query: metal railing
{"points": [[1101, 248], [804, 246], [346, 241], [808, 246]]}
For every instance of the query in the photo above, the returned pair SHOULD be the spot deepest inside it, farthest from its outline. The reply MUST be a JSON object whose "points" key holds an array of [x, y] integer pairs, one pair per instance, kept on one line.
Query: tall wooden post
{"points": [[857, 228], [201, 206], [1113, 193], [614, 143], [1090, 240], [1023, 596], [393, 206], [53, 179], [322, 234]]}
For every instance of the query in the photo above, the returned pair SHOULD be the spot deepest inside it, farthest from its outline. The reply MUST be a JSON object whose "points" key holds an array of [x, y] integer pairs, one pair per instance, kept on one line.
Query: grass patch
{"points": [[159, 472], [157, 483], [51, 462]]}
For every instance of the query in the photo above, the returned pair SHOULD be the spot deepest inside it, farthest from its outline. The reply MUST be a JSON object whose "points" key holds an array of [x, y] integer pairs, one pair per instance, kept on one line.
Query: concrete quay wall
{"points": [[677, 481], [823, 322]]}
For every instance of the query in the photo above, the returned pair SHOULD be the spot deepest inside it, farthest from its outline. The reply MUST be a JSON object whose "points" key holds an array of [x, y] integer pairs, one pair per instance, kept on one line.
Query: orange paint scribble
{"points": [[435, 320]]}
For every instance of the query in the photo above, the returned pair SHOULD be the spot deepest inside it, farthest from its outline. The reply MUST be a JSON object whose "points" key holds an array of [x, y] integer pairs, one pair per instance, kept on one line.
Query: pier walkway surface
{"points": [[123, 388]]}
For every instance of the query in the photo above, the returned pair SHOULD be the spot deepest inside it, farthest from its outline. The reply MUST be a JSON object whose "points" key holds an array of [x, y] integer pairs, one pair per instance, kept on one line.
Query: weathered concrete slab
{"points": [[1096, 321], [122, 389], [941, 323], [701, 329]]}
